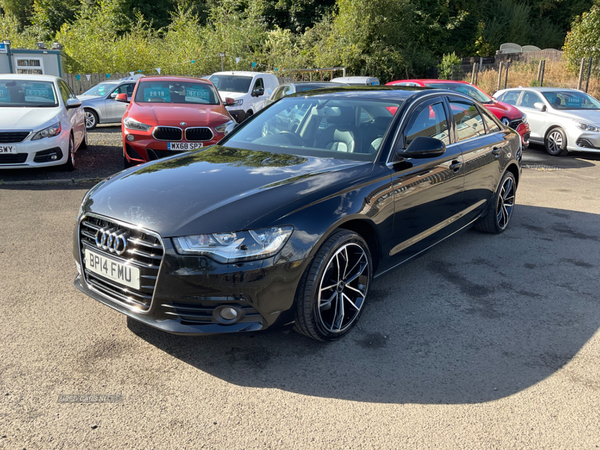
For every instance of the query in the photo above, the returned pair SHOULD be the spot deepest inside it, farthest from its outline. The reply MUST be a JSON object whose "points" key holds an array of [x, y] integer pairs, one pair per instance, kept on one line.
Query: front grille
{"points": [[514, 124], [13, 158], [153, 155], [167, 133], [9, 137], [144, 251], [195, 313], [198, 134]]}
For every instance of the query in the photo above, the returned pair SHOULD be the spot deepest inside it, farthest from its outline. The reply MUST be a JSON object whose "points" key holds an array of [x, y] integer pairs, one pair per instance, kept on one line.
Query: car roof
{"points": [[172, 78], [540, 89], [429, 80], [392, 93], [15, 76], [241, 73]]}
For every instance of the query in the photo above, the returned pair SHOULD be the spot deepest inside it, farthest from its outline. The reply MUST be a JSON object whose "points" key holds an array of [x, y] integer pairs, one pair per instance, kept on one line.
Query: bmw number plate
{"points": [[113, 270], [185, 146], [8, 149]]}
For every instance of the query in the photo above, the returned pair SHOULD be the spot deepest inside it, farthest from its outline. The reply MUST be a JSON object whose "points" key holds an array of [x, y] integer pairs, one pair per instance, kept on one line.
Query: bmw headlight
{"points": [[132, 124], [587, 127], [235, 247], [51, 131], [226, 128]]}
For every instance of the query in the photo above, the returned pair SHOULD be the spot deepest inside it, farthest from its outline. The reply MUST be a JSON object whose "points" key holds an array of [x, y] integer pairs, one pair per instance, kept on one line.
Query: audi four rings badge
{"points": [[111, 240]]}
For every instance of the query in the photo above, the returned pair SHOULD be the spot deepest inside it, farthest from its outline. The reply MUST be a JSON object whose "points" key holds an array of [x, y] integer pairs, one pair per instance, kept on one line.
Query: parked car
{"points": [[249, 90], [42, 123], [563, 120], [100, 103], [286, 89], [509, 115], [357, 81], [169, 115], [286, 222]]}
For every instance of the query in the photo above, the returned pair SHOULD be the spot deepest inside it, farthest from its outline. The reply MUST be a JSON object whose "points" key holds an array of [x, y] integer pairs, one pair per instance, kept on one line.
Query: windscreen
{"points": [[231, 83], [315, 126], [30, 94], [100, 90], [571, 100], [463, 89], [160, 91]]}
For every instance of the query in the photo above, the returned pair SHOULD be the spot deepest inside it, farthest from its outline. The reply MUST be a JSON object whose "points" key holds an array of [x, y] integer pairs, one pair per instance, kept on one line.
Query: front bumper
{"points": [[37, 153], [191, 290], [239, 115], [524, 131], [145, 147], [583, 141]]}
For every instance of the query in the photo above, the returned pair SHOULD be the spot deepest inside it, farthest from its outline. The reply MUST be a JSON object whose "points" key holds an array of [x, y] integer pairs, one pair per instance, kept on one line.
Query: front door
{"points": [[427, 192], [115, 110]]}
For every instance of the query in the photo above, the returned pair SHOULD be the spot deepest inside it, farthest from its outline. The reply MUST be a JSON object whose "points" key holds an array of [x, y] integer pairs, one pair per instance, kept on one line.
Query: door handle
{"points": [[496, 151], [455, 166]]}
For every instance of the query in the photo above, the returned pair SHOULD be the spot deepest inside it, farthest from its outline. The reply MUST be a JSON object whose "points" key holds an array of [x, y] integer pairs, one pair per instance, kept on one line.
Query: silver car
{"points": [[563, 120], [100, 105]]}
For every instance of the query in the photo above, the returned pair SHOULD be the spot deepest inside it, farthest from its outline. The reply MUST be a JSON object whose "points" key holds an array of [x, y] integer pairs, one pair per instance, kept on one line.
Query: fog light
{"points": [[228, 313], [130, 137], [53, 157]]}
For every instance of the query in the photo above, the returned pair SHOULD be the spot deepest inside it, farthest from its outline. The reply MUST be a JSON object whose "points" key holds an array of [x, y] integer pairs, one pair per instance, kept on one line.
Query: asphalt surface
{"points": [[484, 342]]}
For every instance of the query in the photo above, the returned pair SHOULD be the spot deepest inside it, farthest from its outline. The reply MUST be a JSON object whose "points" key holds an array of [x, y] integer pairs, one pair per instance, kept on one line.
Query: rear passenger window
{"points": [[468, 120], [429, 122], [490, 124]]}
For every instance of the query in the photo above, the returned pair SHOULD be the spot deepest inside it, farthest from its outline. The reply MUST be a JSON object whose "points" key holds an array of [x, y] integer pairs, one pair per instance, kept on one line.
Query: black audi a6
{"points": [[289, 218]]}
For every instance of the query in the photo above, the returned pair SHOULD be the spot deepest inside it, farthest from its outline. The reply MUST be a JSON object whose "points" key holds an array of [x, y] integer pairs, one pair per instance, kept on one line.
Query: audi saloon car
{"points": [[287, 220], [169, 115], [42, 123]]}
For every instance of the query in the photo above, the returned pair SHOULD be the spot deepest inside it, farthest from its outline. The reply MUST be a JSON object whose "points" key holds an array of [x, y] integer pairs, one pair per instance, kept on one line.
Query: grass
{"points": [[525, 75]]}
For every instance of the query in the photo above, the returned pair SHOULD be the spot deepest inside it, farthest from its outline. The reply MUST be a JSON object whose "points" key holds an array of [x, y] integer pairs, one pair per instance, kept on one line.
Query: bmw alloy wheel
{"points": [[343, 288]]}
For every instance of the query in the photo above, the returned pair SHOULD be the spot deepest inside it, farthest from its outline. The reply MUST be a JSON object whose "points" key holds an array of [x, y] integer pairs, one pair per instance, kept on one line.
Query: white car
{"points": [[42, 123], [357, 81], [563, 120], [249, 90]]}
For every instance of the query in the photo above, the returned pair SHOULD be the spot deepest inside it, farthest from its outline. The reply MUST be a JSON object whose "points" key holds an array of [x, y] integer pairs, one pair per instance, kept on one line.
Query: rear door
{"points": [[427, 192], [481, 141], [536, 118]]}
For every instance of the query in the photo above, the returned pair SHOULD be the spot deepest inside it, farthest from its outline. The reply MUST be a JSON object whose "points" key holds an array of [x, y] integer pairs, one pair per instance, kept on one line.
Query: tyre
{"points": [[333, 290], [501, 208], [84, 143], [70, 164], [91, 119], [556, 142]]}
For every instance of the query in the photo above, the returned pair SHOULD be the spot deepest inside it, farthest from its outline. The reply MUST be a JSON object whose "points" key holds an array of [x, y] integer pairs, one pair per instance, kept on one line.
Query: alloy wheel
{"points": [[343, 288], [90, 119], [555, 142], [506, 203]]}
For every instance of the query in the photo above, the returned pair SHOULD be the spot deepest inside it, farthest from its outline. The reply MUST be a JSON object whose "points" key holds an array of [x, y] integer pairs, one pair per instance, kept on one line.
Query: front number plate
{"points": [[185, 146], [8, 149], [113, 270]]}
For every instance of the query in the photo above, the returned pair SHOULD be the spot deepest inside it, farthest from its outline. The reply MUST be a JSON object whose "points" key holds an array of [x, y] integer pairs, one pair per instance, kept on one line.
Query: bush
{"points": [[583, 40], [449, 60]]}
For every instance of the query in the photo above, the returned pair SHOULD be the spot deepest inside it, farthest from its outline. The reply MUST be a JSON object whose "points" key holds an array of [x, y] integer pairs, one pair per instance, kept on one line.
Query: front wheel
{"points": [[498, 216], [69, 166], [91, 119], [556, 142], [333, 291]]}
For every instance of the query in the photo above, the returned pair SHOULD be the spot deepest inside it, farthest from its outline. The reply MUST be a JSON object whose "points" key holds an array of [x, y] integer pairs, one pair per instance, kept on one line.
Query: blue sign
{"points": [[157, 91], [4, 95], [3, 48], [198, 93]]}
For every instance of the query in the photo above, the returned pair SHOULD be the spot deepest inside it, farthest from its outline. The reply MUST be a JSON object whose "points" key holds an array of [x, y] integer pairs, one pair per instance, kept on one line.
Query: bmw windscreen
{"points": [[27, 94], [176, 92], [315, 126]]}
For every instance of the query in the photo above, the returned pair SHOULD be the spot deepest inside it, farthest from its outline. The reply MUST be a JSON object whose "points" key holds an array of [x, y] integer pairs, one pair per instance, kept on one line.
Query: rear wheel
{"points": [[334, 289], [497, 218], [556, 142]]}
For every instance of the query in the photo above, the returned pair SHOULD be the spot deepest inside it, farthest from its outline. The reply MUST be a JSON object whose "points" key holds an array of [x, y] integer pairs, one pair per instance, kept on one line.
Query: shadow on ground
{"points": [[536, 157], [478, 318]]}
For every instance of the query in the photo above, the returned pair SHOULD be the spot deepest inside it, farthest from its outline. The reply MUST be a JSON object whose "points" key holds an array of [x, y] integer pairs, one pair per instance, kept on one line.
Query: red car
{"points": [[169, 115], [508, 114]]}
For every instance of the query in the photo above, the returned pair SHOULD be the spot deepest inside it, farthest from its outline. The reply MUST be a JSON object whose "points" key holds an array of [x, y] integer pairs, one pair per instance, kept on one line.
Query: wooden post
{"points": [[539, 77], [506, 75], [543, 61], [473, 73], [500, 75], [581, 69], [587, 83]]}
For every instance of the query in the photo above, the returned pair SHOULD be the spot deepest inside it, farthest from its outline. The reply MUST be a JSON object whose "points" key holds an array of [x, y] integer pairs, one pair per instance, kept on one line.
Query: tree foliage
{"points": [[583, 41]]}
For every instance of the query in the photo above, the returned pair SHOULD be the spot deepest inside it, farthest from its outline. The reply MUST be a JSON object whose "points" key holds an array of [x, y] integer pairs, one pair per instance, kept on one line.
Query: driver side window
{"points": [[428, 121], [258, 84]]}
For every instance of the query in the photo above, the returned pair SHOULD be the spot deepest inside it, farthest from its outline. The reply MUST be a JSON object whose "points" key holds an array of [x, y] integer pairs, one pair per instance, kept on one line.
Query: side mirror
{"points": [[113, 95], [122, 98], [257, 92], [423, 147], [229, 101], [73, 103], [539, 106]]}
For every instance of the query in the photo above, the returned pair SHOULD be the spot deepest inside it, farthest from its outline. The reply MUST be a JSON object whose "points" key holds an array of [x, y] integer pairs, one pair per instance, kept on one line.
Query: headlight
{"points": [[226, 128], [234, 247], [239, 102], [586, 127], [51, 131], [132, 124], [524, 118]]}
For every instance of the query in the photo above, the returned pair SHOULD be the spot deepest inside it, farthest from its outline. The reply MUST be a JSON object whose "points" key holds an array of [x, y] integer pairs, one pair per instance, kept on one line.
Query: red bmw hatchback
{"points": [[169, 115], [508, 114]]}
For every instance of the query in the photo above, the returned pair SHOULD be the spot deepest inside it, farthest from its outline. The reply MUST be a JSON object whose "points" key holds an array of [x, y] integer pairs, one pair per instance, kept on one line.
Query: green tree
{"points": [[583, 40]]}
